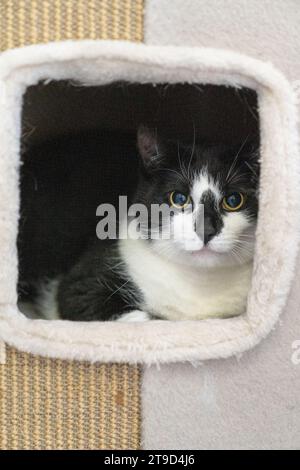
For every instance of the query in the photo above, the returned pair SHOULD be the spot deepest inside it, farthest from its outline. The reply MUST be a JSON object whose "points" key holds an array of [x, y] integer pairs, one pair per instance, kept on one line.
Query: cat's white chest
{"points": [[176, 292]]}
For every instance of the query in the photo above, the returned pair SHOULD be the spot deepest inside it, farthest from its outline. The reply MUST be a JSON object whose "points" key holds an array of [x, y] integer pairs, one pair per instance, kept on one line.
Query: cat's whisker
{"points": [[193, 150], [236, 177], [116, 290], [180, 175], [111, 268], [236, 157], [251, 169], [181, 164], [238, 256]]}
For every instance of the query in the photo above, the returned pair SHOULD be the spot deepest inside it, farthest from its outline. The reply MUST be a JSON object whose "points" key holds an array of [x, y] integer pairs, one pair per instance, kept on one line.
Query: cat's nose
{"points": [[209, 231]]}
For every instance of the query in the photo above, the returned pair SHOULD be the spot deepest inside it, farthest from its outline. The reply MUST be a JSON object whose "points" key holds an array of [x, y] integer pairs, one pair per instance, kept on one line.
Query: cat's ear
{"points": [[150, 149]]}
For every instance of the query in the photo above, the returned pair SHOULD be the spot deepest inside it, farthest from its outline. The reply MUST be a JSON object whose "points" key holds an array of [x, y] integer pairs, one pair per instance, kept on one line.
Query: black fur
{"points": [[92, 290]]}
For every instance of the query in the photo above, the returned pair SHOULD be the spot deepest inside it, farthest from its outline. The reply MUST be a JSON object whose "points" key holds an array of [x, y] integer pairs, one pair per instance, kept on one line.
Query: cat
{"points": [[194, 275]]}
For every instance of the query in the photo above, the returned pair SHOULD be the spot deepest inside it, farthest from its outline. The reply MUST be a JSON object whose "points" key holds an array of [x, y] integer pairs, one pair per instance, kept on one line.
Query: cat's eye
{"points": [[179, 200], [233, 202]]}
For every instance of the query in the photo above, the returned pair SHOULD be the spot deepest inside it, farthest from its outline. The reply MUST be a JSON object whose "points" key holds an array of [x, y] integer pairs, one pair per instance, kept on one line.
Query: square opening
{"points": [[221, 97], [78, 151]]}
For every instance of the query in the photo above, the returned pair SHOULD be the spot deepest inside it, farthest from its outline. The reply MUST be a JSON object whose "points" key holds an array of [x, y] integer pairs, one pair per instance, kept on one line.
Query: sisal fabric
{"points": [[55, 404], [24, 22]]}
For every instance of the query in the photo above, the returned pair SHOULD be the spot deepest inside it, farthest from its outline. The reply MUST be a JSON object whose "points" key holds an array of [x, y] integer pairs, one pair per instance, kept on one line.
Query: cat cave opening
{"points": [[83, 146]]}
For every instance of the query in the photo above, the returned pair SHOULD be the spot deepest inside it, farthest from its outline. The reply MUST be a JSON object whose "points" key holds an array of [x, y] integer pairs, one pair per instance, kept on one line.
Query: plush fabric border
{"points": [[99, 62]]}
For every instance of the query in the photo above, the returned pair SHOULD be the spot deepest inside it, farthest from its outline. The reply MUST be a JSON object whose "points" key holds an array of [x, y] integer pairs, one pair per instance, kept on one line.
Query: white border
{"points": [[100, 62]]}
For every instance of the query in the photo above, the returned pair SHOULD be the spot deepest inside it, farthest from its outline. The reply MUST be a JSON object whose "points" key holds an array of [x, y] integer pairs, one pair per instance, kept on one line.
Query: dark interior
{"points": [[218, 113], [69, 165]]}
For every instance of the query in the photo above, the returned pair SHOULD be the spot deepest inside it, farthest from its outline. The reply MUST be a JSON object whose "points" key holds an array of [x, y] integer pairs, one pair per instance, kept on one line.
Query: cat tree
{"points": [[70, 385]]}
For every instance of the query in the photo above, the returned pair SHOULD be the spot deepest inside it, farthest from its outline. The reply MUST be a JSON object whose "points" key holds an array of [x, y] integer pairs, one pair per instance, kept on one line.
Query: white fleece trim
{"points": [[100, 62]]}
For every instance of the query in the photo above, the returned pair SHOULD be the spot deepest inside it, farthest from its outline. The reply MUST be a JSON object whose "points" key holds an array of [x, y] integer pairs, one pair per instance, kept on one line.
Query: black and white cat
{"points": [[153, 277]]}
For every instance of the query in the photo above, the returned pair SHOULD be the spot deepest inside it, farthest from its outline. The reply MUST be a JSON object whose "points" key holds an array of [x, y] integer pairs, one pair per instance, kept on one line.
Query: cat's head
{"points": [[213, 193]]}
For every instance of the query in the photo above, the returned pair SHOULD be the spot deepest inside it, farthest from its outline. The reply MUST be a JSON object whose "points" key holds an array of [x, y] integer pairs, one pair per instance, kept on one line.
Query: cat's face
{"points": [[212, 191]]}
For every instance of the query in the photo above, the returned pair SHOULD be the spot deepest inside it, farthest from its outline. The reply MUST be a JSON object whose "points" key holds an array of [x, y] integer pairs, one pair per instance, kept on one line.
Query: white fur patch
{"points": [[134, 316], [184, 232], [237, 236], [46, 302], [202, 183], [177, 292]]}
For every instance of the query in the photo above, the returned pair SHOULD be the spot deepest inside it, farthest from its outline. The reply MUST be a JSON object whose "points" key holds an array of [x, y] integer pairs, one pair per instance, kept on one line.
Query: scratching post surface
{"points": [[55, 404], [31, 22]]}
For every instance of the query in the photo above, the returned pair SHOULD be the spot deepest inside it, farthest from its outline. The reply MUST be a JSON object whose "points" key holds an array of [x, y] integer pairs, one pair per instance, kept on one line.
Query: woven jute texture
{"points": [[55, 404], [24, 22]]}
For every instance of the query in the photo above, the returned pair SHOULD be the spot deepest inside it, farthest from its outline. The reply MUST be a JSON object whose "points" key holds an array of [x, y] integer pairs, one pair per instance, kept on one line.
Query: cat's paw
{"points": [[134, 316]]}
